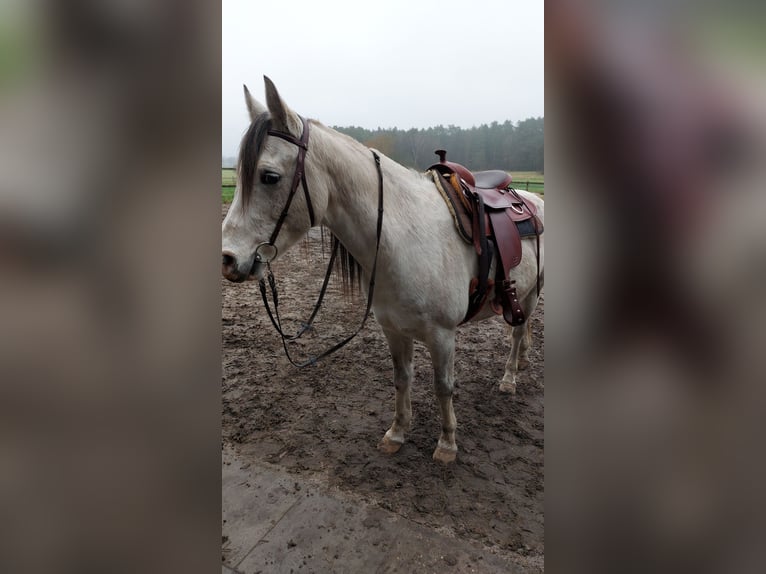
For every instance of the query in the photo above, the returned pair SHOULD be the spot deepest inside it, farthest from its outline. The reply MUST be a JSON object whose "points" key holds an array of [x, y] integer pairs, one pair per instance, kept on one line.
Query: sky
{"points": [[398, 63]]}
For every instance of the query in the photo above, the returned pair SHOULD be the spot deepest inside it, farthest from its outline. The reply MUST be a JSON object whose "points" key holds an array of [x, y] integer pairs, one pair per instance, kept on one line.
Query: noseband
{"points": [[299, 177]]}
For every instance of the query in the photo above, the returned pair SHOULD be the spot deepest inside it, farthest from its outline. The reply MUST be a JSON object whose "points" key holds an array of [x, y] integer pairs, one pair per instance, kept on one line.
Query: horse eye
{"points": [[270, 178]]}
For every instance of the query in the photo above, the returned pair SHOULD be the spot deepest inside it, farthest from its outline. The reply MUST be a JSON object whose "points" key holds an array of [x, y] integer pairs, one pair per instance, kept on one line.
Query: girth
{"points": [[487, 218]]}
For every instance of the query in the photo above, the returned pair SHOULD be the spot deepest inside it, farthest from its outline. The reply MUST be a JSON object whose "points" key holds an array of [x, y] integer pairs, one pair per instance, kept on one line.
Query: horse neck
{"points": [[352, 183]]}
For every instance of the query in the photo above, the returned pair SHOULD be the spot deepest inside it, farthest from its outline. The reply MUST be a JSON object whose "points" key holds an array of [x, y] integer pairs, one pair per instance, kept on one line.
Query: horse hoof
{"points": [[444, 456], [388, 446], [509, 388], [523, 364]]}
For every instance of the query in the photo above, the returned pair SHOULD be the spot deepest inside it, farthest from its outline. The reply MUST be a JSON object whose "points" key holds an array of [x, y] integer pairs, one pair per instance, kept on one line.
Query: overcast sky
{"points": [[393, 63]]}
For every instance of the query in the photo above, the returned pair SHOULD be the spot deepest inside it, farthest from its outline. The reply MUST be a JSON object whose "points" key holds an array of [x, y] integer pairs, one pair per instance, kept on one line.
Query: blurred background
{"points": [[109, 297], [655, 286]]}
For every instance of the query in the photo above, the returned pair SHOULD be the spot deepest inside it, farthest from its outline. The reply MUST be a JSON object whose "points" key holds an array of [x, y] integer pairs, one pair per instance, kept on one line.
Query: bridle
{"points": [[270, 251], [299, 177]]}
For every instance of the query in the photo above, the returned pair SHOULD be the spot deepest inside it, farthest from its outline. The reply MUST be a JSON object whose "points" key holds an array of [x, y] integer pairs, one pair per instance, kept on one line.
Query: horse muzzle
{"points": [[232, 269]]}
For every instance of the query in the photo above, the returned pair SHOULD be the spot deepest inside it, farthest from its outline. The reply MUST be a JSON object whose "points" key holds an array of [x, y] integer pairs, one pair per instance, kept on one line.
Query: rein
{"points": [[299, 177]]}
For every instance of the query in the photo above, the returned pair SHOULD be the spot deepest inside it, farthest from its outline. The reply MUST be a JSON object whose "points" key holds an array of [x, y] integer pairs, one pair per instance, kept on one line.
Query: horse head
{"points": [[272, 208]]}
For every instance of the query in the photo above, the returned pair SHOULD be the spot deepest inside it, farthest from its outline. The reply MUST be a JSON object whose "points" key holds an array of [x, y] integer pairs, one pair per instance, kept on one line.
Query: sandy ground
{"points": [[323, 423]]}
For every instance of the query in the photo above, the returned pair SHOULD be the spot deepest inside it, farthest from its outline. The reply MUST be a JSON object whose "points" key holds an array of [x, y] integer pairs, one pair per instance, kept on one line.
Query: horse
{"points": [[422, 268]]}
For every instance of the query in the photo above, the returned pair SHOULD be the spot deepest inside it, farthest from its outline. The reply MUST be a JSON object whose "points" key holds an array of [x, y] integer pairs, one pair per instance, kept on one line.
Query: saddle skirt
{"points": [[492, 219]]}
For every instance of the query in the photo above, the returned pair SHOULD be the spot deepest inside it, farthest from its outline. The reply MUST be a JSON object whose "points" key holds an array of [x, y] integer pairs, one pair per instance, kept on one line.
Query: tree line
{"points": [[495, 146], [509, 146]]}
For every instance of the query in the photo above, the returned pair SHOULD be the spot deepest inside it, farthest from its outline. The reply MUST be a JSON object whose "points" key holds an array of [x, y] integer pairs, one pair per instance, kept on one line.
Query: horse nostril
{"points": [[229, 260]]}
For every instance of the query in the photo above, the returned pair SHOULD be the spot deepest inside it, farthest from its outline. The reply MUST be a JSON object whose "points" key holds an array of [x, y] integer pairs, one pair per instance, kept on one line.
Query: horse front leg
{"points": [[401, 353], [442, 350]]}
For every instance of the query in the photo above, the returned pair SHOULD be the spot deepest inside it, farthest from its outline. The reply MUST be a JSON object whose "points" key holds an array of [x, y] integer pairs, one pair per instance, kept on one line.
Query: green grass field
{"points": [[228, 183], [527, 180]]}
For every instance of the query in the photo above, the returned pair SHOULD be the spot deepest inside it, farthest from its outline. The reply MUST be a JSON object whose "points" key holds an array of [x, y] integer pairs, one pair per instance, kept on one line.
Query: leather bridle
{"points": [[299, 177]]}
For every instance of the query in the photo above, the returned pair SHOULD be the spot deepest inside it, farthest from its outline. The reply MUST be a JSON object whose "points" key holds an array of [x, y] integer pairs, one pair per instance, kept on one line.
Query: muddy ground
{"points": [[324, 422]]}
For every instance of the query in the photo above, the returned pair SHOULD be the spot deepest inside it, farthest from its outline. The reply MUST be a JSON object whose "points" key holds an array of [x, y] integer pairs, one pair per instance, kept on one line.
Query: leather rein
{"points": [[269, 249]]}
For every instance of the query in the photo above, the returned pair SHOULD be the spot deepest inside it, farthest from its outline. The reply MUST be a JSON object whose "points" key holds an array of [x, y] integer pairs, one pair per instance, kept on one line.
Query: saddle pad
{"points": [[527, 227], [459, 216]]}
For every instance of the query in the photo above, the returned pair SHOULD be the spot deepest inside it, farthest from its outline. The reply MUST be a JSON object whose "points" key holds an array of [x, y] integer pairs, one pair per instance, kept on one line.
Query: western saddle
{"points": [[493, 217]]}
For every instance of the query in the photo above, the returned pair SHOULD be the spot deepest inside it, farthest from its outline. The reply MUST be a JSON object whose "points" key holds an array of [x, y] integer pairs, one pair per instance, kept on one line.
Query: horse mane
{"points": [[348, 269]]}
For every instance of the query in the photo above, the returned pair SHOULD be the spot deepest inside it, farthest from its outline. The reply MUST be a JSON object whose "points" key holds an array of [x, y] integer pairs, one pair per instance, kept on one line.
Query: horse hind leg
{"points": [[442, 349], [521, 341], [401, 353], [526, 343]]}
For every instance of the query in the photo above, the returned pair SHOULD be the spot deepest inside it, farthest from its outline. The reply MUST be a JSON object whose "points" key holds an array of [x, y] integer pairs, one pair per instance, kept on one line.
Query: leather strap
{"points": [[484, 251], [299, 176], [507, 240], [275, 296]]}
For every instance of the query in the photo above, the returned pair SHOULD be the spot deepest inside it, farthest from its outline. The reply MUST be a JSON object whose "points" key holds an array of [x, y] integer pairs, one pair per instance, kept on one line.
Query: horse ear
{"points": [[254, 107], [282, 117]]}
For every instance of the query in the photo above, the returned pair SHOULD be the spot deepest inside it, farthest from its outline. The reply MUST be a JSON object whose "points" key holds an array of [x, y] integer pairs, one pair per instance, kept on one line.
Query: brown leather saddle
{"points": [[488, 213]]}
